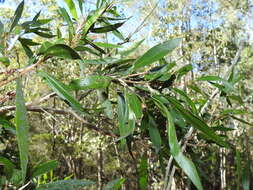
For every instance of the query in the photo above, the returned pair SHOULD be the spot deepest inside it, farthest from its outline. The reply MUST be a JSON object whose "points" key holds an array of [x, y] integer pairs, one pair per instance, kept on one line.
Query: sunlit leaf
{"points": [[92, 19], [114, 184], [5, 61], [155, 53], [17, 15], [72, 8], [91, 82]]}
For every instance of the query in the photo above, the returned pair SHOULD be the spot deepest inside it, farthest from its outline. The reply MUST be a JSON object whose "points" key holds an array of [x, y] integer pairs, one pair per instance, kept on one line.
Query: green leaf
{"points": [[17, 15], [22, 128], [65, 15], [155, 53], [134, 104], [107, 45], [80, 3], [91, 82], [62, 91], [72, 184], [186, 164], [92, 19], [28, 42], [143, 173], [198, 123], [122, 118], [5, 61], [228, 85], [8, 166], [154, 134], [44, 168], [1, 28], [72, 8], [187, 99], [114, 184], [63, 51], [246, 176], [131, 49], [7, 125], [108, 28], [183, 70]]}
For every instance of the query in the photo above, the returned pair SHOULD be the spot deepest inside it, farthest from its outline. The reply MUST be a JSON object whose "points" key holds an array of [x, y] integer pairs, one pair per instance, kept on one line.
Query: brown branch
{"points": [[21, 72]]}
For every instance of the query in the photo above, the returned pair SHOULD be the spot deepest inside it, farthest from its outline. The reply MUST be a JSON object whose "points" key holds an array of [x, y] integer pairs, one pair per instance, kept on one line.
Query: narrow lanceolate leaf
{"points": [[122, 117], [186, 164], [1, 28], [107, 45], [131, 49], [228, 85], [91, 82], [155, 53], [73, 184], [114, 184], [8, 166], [154, 134], [135, 104], [92, 19], [198, 123], [17, 15], [108, 28], [72, 8], [44, 168], [22, 128], [66, 17], [62, 91], [63, 51]]}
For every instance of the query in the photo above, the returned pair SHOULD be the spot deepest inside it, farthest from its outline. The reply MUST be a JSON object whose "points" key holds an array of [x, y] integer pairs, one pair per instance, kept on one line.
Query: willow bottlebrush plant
{"points": [[139, 96]]}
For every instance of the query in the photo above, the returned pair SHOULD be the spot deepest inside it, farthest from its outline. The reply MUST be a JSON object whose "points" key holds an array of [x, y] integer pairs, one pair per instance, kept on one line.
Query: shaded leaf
{"points": [[1, 28], [73, 184], [8, 166], [28, 42], [155, 53], [22, 128], [198, 123], [154, 133], [186, 164], [134, 104], [63, 51], [44, 168], [108, 28], [17, 15], [91, 82], [61, 90]]}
